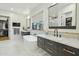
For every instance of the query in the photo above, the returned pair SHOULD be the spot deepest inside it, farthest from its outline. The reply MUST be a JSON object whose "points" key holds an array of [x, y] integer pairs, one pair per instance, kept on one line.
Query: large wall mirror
{"points": [[62, 16]]}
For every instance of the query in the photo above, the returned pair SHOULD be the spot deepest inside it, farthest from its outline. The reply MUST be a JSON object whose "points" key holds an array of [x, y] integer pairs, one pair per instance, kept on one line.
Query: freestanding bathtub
{"points": [[30, 40]]}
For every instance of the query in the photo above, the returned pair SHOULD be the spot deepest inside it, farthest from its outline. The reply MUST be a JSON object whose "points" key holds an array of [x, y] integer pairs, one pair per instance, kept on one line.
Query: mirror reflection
{"points": [[62, 15]]}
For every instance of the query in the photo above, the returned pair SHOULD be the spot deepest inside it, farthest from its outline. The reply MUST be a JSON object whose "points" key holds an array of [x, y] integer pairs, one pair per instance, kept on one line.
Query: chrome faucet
{"points": [[56, 33]]}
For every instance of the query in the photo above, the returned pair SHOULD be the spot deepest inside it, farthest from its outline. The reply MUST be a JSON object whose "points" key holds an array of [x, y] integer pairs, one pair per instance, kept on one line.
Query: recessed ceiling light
{"points": [[12, 9]]}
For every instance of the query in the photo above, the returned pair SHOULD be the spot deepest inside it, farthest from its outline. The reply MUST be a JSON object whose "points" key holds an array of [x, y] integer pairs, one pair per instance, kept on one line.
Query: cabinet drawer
{"points": [[51, 51], [70, 51], [51, 47], [49, 42]]}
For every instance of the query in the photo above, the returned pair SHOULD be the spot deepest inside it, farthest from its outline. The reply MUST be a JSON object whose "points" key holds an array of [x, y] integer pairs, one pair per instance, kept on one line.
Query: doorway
{"points": [[4, 28]]}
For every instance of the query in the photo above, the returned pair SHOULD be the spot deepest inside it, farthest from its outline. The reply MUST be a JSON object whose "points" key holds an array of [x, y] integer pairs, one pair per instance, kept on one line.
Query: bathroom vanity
{"points": [[61, 16], [56, 46]]}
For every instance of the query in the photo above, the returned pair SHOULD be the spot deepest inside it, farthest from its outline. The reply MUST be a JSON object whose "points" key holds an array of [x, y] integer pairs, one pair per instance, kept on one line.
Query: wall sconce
{"points": [[28, 17]]}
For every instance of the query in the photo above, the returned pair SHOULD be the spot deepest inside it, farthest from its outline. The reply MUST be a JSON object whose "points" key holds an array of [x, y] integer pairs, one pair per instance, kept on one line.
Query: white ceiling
{"points": [[23, 8]]}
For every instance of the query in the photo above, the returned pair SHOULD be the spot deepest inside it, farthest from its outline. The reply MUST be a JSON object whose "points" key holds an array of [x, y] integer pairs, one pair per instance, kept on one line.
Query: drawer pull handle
{"points": [[49, 50], [52, 51], [49, 43], [69, 51]]}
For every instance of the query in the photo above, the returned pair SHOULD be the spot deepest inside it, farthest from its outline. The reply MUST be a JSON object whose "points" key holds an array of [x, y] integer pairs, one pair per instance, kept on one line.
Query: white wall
{"points": [[17, 18]]}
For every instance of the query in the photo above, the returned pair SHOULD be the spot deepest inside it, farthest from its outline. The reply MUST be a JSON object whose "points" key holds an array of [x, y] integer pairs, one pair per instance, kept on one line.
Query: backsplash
{"points": [[76, 36], [67, 35]]}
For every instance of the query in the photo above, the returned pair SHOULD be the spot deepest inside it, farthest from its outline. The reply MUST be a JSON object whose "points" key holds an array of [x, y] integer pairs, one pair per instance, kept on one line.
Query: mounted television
{"points": [[16, 24]]}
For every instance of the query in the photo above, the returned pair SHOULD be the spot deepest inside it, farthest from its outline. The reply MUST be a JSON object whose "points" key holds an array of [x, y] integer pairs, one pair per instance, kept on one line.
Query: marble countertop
{"points": [[67, 41], [25, 31]]}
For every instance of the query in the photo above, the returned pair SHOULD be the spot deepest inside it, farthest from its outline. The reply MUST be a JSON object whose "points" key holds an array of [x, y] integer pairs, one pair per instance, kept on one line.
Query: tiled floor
{"points": [[20, 48]]}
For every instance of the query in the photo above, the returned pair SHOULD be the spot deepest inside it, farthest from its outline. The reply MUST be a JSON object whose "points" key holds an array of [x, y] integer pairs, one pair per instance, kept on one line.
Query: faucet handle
{"points": [[60, 34]]}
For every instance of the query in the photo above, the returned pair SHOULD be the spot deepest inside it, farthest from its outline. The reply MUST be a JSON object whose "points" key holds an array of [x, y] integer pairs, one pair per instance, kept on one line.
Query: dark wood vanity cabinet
{"points": [[56, 49], [51, 47], [40, 42]]}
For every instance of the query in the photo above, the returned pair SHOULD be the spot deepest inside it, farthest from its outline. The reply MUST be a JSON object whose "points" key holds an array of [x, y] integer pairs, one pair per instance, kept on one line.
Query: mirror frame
{"points": [[63, 27]]}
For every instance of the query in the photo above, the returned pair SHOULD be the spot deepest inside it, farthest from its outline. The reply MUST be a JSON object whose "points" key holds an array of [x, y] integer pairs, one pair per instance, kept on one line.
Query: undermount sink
{"points": [[58, 38]]}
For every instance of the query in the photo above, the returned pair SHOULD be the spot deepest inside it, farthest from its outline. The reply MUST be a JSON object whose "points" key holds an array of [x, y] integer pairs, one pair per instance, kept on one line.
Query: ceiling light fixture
{"points": [[12, 9]]}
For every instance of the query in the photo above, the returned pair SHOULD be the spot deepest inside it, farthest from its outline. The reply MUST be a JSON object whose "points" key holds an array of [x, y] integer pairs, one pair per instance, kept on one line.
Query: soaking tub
{"points": [[30, 38]]}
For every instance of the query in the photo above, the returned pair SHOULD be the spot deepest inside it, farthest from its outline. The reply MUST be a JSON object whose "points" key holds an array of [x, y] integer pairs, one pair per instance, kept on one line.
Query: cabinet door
{"points": [[40, 42], [60, 49], [51, 47], [70, 51]]}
